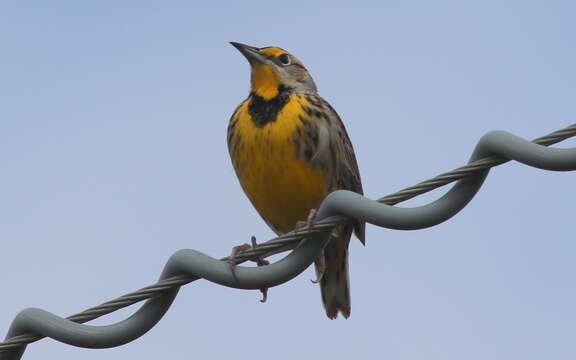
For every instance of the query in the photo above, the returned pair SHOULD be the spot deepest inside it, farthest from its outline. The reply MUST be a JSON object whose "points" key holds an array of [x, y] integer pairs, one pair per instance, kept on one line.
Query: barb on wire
{"points": [[185, 266]]}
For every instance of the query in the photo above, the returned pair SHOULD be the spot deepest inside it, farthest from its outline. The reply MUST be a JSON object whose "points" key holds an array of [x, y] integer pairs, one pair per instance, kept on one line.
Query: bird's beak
{"points": [[251, 53]]}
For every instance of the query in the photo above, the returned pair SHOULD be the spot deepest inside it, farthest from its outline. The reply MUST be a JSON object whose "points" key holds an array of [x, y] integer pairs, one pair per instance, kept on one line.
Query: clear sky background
{"points": [[113, 156]]}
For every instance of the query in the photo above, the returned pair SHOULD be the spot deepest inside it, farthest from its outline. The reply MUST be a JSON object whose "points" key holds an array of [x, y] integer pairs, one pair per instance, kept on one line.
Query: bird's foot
{"points": [[235, 251], [309, 220], [320, 263], [320, 266], [259, 261]]}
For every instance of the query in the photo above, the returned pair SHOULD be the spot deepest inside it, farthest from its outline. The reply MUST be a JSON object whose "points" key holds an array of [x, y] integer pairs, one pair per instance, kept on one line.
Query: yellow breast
{"points": [[281, 184]]}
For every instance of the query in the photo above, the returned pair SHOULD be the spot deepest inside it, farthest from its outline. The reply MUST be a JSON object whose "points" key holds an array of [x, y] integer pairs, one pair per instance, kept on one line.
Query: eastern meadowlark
{"points": [[290, 149]]}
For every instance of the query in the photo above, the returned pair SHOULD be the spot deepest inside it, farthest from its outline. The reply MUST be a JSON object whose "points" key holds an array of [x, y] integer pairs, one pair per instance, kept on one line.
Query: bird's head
{"points": [[274, 70]]}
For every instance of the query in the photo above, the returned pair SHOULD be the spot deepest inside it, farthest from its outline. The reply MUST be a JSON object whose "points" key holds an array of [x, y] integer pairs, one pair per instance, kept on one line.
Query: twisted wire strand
{"points": [[167, 287]]}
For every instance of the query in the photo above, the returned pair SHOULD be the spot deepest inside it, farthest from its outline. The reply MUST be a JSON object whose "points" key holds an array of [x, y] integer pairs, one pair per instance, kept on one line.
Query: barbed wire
{"points": [[287, 241]]}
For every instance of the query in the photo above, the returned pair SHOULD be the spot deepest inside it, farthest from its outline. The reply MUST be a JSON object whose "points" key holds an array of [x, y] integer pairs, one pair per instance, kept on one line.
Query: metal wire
{"points": [[288, 241]]}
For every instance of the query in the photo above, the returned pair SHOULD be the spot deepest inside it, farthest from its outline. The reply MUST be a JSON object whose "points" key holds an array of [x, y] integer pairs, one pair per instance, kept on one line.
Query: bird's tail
{"points": [[335, 283]]}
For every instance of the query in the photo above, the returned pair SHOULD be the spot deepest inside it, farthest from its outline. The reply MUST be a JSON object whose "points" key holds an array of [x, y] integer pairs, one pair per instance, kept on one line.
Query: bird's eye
{"points": [[284, 59]]}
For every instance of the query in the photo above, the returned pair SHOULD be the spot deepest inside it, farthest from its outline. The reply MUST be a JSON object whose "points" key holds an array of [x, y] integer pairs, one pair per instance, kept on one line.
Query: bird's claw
{"points": [[235, 251], [259, 261], [309, 220], [320, 266], [320, 263]]}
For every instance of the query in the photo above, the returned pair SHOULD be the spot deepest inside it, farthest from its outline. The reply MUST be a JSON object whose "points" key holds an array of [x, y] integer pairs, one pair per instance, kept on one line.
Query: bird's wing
{"points": [[335, 151]]}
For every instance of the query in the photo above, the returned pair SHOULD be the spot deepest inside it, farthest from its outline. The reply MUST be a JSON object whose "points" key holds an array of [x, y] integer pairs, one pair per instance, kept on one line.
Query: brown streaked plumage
{"points": [[290, 149]]}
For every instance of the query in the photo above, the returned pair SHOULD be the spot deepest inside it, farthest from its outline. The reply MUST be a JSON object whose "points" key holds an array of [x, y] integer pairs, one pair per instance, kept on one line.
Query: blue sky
{"points": [[112, 135]]}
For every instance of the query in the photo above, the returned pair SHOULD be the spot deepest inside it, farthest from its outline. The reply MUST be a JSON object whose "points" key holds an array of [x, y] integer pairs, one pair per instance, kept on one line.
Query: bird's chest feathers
{"points": [[278, 179]]}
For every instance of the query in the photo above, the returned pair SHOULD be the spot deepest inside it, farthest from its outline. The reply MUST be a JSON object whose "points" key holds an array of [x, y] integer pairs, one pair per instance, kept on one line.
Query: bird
{"points": [[290, 149]]}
